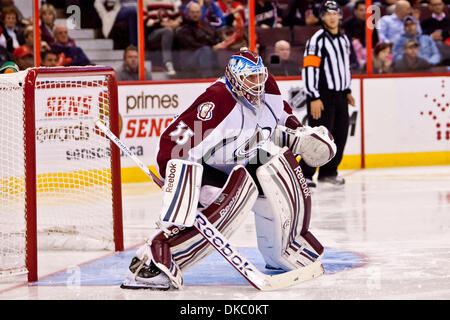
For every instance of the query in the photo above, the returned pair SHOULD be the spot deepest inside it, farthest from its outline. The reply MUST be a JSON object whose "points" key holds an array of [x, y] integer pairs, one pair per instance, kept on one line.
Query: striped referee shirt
{"points": [[326, 63]]}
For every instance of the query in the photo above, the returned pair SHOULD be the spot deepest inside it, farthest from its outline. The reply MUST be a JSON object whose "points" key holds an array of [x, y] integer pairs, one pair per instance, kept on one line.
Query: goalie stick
{"points": [[258, 279], [125, 149]]}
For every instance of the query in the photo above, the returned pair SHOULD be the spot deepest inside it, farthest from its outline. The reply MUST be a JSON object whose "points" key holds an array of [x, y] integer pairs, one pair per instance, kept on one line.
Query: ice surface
{"points": [[392, 227]]}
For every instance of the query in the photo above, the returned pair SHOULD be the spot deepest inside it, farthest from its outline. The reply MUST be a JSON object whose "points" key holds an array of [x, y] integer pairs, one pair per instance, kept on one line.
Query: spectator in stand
{"points": [[12, 33], [268, 14], [232, 7], [70, 53], [211, 12], [438, 27], [382, 58], [162, 18], [112, 11], [202, 40], [49, 59], [21, 21], [28, 35], [234, 30], [416, 12], [23, 57], [130, 68], [302, 13], [280, 63], [427, 48], [390, 26], [47, 13], [355, 29], [8, 67], [411, 62], [355, 26]]}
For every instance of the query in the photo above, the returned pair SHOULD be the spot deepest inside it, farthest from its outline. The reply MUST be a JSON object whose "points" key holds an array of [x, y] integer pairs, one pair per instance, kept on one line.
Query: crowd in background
{"points": [[194, 38]]}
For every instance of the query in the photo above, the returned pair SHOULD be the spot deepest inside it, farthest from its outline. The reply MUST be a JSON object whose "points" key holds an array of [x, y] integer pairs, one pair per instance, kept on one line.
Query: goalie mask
{"points": [[245, 76]]}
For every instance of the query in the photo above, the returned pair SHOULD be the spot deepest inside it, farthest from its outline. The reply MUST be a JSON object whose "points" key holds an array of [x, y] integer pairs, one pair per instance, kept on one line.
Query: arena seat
{"points": [[301, 34], [268, 37]]}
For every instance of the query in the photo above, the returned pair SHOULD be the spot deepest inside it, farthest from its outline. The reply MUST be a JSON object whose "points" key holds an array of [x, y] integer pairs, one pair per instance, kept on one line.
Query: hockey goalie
{"points": [[233, 152]]}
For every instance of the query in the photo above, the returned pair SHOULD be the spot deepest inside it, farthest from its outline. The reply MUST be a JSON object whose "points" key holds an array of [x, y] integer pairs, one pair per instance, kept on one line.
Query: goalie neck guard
{"points": [[245, 76]]}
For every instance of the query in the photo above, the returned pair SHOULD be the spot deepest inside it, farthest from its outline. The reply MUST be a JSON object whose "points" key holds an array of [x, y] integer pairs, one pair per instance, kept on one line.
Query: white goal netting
{"points": [[73, 166]]}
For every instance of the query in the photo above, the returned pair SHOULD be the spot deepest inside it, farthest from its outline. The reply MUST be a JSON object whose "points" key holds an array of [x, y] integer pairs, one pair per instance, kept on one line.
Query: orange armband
{"points": [[311, 61]]}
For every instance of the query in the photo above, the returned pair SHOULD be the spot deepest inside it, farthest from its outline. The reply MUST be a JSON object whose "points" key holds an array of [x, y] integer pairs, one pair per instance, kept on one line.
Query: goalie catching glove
{"points": [[314, 144]]}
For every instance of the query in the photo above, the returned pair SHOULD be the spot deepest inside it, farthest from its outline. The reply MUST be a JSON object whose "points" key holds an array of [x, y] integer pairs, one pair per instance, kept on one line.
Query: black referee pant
{"points": [[336, 119]]}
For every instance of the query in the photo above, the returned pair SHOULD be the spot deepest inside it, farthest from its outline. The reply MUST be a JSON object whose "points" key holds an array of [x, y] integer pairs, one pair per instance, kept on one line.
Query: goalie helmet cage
{"points": [[59, 175]]}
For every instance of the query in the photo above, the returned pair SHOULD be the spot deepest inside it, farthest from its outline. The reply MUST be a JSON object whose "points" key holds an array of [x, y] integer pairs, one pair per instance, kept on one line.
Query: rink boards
{"points": [[396, 121]]}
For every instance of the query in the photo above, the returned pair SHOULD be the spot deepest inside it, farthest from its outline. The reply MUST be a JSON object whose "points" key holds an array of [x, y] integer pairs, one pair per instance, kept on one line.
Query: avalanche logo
{"points": [[204, 111], [250, 147]]}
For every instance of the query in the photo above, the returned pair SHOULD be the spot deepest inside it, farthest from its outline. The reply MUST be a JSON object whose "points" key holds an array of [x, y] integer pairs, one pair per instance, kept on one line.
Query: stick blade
{"points": [[292, 278]]}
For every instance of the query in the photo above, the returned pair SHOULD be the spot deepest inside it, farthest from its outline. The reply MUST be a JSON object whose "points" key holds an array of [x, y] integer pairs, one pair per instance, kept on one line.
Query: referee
{"points": [[327, 78]]}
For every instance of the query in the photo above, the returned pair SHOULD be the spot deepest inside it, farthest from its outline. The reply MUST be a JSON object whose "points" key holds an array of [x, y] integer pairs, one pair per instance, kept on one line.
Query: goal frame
{"points": [[31, 259]]}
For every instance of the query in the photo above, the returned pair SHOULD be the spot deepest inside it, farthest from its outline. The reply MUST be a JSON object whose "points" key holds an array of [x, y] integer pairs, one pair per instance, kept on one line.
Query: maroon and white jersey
{"points": [[222, 132]]}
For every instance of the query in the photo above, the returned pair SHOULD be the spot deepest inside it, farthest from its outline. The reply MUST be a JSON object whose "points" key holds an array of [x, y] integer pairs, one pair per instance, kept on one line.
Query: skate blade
{"points": [[132, 284]]}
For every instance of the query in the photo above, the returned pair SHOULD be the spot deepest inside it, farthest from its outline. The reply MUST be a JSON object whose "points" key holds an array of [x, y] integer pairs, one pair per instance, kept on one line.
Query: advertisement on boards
{"points": [[66, 137], [146, 110], [407, 115]]}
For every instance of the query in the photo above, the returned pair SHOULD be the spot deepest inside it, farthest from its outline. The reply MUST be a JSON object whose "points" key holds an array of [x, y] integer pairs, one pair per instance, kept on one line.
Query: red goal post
{"points": [[69, 189]]}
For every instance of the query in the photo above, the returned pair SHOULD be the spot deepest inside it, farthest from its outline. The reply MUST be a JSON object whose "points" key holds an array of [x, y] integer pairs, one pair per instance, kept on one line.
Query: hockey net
{"points": [[59, 176]]}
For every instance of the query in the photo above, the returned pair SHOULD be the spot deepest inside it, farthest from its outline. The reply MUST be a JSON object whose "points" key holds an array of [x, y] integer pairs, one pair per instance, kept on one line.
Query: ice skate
{"points": [[142, 276], [311, 184], [338, 181]]}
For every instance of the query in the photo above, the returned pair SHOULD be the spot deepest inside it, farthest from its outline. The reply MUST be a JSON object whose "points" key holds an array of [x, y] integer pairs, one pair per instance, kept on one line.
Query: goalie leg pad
{"points": [[181, 192], [226, 213], [304, 250], [314, 144], [282, 217]]}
